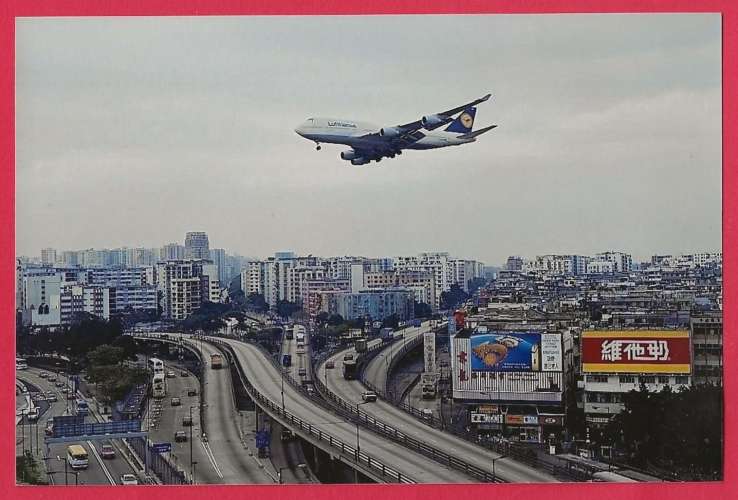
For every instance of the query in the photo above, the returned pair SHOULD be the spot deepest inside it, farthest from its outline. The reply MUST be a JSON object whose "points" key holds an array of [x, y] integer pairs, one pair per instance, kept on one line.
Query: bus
{"points": [[82, 407], [299, 335], [156, 365], [21, 364], [159, 386], [349, 369], [77, 457]]}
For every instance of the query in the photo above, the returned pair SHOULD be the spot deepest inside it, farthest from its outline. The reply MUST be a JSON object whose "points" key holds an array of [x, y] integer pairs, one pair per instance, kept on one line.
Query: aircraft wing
{"points": [[416, 125], [399, 136]]}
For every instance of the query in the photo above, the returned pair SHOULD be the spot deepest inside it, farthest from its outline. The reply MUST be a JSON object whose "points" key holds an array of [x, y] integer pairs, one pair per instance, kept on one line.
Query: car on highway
{"points": [[187, 421], [192, 391], [184, 373], [348, 357], [52, 378], [107, 451], [51, 396], [427, 413], [59, 383], [180, 436], [128, 480], [49, 430], [176, 402], [33, 414], [302, 372], [171, 374], [287, 435], [43, 374], [65, 389], [369, 396], [330, 365]]}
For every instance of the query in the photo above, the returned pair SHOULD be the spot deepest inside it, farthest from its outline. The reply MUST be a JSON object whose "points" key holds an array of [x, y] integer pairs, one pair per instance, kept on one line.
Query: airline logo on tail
{"points": [[464, 123]]}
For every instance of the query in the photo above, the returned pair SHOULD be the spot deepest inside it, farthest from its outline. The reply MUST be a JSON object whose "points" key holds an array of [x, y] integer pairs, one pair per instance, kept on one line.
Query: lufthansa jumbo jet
{"points": [[371, 143]]}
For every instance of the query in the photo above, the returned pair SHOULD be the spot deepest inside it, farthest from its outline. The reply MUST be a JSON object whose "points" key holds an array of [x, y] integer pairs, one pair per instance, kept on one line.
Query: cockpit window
{"points": [[311, 122]]}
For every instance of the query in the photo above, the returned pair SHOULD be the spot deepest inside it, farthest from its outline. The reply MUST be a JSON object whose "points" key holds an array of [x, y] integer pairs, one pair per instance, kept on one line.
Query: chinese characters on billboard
{"points": [[643, 351]]}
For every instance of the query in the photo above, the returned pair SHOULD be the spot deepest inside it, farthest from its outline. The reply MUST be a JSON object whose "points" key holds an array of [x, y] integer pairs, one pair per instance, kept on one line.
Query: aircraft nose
{"points": [[300, 130]]}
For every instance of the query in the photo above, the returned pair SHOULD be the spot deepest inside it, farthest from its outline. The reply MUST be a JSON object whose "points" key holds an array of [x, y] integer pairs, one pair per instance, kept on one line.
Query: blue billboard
{"points": [[506, 352]]}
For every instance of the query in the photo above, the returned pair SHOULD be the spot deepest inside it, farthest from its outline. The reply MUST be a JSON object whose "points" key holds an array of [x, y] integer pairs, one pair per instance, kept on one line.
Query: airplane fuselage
{"points": [[354, 133]]}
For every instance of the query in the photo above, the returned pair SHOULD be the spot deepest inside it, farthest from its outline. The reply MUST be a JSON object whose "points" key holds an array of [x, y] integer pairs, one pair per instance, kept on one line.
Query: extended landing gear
{"points": [[317, 146]]}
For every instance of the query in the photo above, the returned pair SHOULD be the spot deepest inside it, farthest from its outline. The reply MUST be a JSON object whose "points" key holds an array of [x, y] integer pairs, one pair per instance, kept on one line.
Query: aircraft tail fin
{"points": [[472, 135], [464, 122]]}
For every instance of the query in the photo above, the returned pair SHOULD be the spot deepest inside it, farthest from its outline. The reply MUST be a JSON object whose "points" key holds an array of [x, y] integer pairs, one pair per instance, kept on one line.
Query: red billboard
{"points": [[639, 351]]}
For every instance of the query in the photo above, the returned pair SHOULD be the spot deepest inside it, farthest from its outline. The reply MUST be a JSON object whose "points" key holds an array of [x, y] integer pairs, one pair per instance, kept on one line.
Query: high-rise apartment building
{"points": [[197, 245]]}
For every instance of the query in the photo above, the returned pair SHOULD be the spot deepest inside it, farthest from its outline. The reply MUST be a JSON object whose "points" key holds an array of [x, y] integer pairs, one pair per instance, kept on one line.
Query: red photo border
{"points": [[728, 488]]}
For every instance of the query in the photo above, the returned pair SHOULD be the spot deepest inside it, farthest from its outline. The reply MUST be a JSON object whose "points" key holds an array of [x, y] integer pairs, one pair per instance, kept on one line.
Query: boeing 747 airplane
{"points": [[371, 143]]}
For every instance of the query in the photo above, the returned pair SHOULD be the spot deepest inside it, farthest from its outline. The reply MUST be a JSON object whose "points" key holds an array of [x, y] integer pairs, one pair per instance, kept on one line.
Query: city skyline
{"points": [[609, 134], [231, 252]]}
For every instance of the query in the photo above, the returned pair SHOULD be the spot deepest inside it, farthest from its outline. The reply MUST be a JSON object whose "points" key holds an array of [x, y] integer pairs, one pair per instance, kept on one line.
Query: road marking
{"points": [[209, 453], [100, 461]]}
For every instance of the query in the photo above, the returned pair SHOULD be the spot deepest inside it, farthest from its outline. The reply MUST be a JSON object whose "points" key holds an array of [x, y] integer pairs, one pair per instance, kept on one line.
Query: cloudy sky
{"points": [[132, 131]]}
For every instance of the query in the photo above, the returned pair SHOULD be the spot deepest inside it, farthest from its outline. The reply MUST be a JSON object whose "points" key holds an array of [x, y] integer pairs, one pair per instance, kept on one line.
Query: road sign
{"points": [[162, 447], [76, 426], [262, 439]]}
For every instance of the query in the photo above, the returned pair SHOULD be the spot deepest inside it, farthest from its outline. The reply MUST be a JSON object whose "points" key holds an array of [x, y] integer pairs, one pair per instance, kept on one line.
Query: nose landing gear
{"points": [[317, 146]]}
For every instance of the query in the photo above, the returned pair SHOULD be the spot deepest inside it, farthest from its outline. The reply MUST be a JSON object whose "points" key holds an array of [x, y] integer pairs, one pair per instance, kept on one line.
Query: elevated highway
{"points": [[350, 392]]}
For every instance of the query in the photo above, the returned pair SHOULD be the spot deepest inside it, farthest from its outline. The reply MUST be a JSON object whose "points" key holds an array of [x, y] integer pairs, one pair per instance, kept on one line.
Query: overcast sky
{"points": [[132, 131]]}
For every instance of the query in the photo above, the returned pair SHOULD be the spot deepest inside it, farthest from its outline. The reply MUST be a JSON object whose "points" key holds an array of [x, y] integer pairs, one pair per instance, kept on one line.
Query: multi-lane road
{"points": [[100, 471], [376, 371]]}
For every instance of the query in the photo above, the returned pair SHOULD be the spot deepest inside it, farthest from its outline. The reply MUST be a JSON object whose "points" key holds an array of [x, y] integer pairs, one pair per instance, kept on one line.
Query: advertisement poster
{"points": [[506, 352]]}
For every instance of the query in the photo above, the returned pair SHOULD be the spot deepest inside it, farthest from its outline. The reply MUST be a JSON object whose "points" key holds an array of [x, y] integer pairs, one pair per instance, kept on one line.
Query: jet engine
{"points": [[390, 131], [359, 161], [348, 155], [434, 121]]}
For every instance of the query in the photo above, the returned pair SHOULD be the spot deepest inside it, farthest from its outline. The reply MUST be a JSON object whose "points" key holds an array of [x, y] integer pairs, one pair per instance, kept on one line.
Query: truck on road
{"points": [[360, 345], [385, 334], [216, 361], [287, 360], [349, 369]]}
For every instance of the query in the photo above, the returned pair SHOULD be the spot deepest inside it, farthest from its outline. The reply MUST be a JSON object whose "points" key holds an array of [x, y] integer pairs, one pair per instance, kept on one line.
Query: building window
{"points": [[663, 380], [649, 379], [682, 380], [627, 379], [601, 379]]}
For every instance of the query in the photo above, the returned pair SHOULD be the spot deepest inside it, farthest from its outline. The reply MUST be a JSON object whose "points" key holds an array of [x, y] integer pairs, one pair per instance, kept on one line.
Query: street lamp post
{"points": [[281, 370], [192, 462], [358, 419], [494, 460], [279, 474]]}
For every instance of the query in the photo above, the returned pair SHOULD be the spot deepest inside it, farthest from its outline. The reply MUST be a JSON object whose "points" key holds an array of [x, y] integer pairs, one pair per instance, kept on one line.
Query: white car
{"points": [[128, 480], [369, 396]]}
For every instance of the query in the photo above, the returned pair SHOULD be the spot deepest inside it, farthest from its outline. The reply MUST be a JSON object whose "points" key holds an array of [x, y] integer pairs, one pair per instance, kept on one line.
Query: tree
{"points": [[105, 355], [335, 320], [285, 308], [422, 310], [679, 431], [391, 322], [453, 297], [256, 302], [322, 318]]}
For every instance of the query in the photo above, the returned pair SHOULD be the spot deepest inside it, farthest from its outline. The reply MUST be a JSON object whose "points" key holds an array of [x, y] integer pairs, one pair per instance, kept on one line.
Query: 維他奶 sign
{"points": [[638, 351]]}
